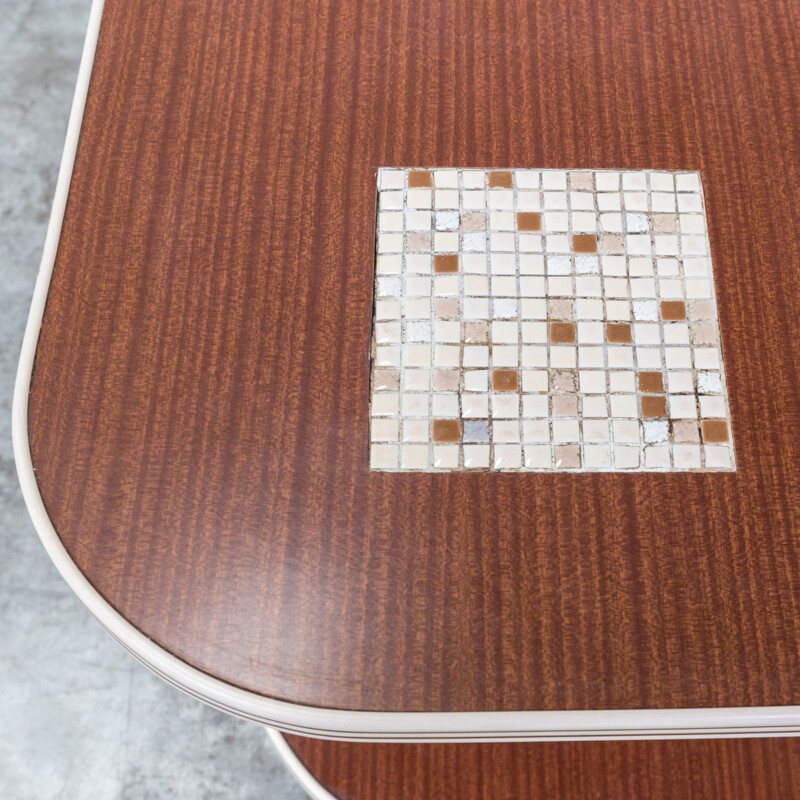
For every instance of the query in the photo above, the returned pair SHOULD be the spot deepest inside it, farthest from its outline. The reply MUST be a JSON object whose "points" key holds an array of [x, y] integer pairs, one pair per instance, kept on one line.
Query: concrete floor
{"points": [[79, 718]]}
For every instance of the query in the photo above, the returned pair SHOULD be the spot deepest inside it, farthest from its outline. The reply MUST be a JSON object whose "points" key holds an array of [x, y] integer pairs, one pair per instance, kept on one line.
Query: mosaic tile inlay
{"points": [[534, 320]]}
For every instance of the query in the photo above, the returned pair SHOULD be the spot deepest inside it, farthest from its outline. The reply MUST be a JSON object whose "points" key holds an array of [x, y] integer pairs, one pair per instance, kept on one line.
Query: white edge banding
{"points": [[307, 720], [312, 786]]}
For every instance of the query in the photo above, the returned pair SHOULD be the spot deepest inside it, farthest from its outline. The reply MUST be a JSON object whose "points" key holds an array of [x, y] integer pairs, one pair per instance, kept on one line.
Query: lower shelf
{"points": [[695, 769]]}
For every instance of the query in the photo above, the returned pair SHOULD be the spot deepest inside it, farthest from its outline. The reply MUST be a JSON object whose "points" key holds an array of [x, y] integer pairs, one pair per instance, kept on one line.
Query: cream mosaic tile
{"points": [[545, 320]]}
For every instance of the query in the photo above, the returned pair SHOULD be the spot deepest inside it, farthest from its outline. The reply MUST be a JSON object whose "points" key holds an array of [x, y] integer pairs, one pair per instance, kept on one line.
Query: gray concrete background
{"points": [[79, 718]]}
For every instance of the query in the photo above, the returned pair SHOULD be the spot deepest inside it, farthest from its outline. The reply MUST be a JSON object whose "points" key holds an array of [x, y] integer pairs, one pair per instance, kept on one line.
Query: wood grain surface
{"points": [[700, 769], [199, 409]]}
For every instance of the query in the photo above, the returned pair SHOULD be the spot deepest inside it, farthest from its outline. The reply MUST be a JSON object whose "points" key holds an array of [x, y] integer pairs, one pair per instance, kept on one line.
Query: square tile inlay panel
{"points": [[545, 320]]}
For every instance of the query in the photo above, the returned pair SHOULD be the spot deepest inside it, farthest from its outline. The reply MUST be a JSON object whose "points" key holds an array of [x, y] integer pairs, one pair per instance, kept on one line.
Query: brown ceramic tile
{"points": [[619, 333], [500, 179], [584, 243], [651, 382], [473, 221], [565, 405], [567, 456], [447, 308], [612, 243], [476, 332], [685, 432], [704, 333], [562, 332], [418, 242], [562, 381], [580, 181], [715, 430], [386, 380], [702, 309], [654, 405], [505, 380], [446, 430], [419, 179], [529, 221], [673, 310], [561, 309], [446, 380], [664, 223], [446, 263]]}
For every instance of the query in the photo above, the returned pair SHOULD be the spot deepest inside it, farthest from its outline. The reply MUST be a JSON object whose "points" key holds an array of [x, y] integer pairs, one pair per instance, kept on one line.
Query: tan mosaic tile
{"points": [[529, 221], [446, 430], [673, 310], [539, 320], [619, 333], [419, 179], [562, 332], [505, 380], [500, 179]]}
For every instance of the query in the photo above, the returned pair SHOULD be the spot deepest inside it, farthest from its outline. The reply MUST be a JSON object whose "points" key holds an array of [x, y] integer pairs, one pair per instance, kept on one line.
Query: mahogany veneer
{"points": [[701, 769]]}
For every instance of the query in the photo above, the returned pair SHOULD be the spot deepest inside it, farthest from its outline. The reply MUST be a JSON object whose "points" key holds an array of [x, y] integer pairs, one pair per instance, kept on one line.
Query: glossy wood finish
{"points": [[702, 769], [198, 414]]}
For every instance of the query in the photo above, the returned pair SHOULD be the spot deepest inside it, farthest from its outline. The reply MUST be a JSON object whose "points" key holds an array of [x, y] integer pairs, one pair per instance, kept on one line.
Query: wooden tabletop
{"points": [[199, 409], [736, 769]]}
